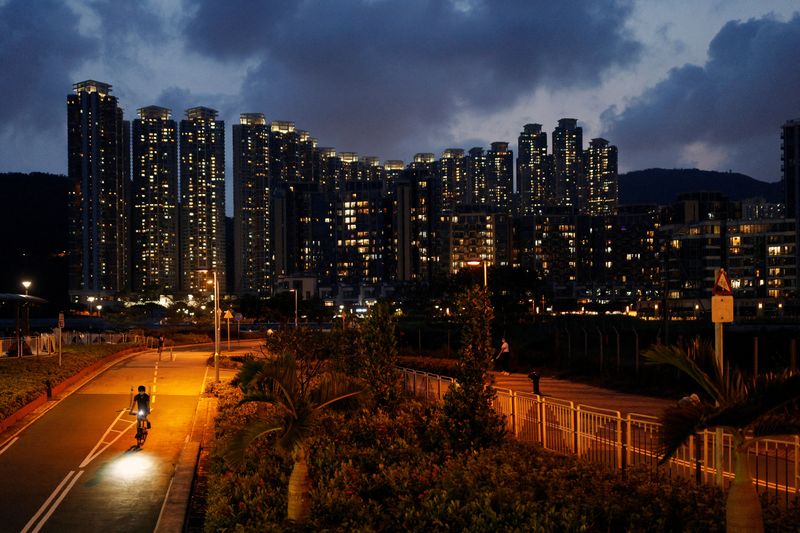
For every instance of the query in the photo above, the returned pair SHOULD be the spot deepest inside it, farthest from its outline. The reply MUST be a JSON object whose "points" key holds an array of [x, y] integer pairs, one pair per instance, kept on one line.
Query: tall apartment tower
{"points": [[533, 174], [500, 176], [251, 206], [567, 162], [454, 179], [476, 177], [98, 141], [599, 193], [202, 149], [790, 147], [155, 202]]}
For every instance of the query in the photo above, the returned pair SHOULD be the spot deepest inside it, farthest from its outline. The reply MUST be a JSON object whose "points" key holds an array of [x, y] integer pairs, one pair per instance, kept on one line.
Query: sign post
{"points": [[238, 318], [721, 312], [60, 338], [228, 315]]}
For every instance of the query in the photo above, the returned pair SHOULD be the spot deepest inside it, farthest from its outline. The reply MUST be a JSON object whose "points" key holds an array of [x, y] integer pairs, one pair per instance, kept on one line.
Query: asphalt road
{"points": [[75, 466]]}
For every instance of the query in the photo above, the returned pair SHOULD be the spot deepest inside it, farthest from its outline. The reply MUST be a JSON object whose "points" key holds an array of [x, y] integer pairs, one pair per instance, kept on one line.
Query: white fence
{"points": [[47, 343], [605, 436]]}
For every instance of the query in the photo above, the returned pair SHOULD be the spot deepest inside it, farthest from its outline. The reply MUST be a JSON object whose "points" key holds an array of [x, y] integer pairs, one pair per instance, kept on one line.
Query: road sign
{"points": [[60, 320], [238, 317], [228, 315], [722, 286], [721, 309]]}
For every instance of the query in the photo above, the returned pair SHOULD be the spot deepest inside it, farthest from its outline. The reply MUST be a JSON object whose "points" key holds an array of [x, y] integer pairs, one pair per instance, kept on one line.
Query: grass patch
{"points": [[23, 379]]}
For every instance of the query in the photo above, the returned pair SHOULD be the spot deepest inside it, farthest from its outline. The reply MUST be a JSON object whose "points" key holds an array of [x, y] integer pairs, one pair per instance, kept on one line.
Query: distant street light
{"points": [[99, 308], [295, 307], [27, 285], [476, 262]]}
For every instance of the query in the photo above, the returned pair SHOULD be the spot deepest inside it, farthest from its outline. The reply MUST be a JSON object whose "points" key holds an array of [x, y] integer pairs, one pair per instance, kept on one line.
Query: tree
{"points": [[469, 418], [750, 409], [377, 355], [299, 390]]}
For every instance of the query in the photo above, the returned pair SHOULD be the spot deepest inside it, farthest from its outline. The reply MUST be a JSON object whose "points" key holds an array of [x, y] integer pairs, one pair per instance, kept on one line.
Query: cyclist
{"points": [[142, 402]]}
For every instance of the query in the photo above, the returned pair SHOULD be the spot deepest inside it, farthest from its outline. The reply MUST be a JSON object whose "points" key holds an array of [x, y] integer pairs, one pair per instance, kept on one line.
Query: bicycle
{"points": [[142, 427]]}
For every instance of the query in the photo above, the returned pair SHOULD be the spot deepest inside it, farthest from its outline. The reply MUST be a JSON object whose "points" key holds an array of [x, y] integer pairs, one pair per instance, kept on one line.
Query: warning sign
{"points": [[228, 314], [722, 287]]}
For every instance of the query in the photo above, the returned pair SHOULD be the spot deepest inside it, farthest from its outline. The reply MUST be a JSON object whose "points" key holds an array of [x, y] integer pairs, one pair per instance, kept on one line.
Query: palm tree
{"points": [[299, 392], [750, 409]]}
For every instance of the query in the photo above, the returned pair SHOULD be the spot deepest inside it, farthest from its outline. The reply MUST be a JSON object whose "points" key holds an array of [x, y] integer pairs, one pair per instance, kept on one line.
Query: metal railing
{"points": [[605, 436]]}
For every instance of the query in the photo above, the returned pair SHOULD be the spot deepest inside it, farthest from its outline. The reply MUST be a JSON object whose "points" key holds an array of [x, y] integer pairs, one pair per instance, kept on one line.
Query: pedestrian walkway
{"points": [[581, 393]]}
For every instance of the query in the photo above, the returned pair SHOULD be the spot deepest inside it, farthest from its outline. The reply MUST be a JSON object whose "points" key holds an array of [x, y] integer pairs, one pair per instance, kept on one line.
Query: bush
{"points": [[23, 379], [375, 471]]}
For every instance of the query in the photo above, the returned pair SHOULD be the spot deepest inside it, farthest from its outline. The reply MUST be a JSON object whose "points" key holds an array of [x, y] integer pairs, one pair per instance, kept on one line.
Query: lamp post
{"points": [[99, 308], [217, 319], [90, 299], [216, 327], [296, 322], [476, 262], [27, 285]]}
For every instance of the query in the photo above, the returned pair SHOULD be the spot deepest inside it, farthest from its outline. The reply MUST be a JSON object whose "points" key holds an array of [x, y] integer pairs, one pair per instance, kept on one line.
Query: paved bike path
{"points": [[581, 393]]}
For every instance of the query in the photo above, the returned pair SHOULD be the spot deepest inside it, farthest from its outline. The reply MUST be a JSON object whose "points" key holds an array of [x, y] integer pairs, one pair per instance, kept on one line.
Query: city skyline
{"points": [[386, 95]]}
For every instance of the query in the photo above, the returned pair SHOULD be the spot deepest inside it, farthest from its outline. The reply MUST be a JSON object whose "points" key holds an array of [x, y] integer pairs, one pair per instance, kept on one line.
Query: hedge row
{"points": [[24, 379], [380, 472]]}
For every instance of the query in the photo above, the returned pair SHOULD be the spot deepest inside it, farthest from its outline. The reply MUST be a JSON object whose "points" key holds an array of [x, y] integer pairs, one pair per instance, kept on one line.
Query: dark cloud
{"points": [[39, 47], [735, 103], [372, 75]]}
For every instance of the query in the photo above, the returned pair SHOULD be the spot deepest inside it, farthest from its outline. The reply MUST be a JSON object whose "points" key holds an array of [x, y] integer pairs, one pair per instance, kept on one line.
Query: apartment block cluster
{"points": [[148, 212]]}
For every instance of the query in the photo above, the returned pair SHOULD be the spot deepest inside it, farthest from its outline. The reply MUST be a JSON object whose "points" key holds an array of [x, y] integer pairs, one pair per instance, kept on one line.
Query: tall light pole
{"points": [[217, 320], [216, 327], [27, 285], [296, 322]]}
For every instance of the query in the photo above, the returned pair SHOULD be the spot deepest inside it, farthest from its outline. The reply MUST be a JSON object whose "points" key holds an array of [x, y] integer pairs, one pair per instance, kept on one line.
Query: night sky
{"points": [[670, 83]]}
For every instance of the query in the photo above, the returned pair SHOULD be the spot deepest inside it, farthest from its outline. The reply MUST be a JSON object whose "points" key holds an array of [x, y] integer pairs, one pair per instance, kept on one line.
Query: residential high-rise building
{"points": [[500, 176], [98, 146], [202, 153], [454, 179], [155, 202], [567, 163], [533, 173], [599, 193], [790, 164], [476, 177], [251, 205]]}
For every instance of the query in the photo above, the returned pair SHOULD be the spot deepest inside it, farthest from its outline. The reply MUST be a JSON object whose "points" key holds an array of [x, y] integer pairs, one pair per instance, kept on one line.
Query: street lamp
{"points": [[295, 307], [27, 285], [99, 308], [216, 326], [476, 262]]}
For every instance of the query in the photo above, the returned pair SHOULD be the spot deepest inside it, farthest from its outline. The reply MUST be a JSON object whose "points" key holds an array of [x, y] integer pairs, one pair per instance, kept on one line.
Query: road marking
{"points": [[97, 450], [47, 502], [205, 379], [10, 442]]}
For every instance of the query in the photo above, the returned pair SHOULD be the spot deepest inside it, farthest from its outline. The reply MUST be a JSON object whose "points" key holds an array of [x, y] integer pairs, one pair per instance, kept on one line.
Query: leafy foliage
{"points": [[376, 471], [470, 421], [377, 355], [23, 379]]}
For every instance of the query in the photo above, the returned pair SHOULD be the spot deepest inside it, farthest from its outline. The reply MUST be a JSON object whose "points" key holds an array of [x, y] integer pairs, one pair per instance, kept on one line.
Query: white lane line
{"points": [[57, 502], [97, 450], [205, 379], [10, 443], [44, 506]]}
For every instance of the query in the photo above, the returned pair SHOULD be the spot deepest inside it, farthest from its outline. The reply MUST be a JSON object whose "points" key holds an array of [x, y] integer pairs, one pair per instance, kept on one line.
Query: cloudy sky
{"points": [[697, 83]]}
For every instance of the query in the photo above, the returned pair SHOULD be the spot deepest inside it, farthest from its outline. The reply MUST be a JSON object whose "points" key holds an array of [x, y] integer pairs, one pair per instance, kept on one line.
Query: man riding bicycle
{"points": [[142, 402]]}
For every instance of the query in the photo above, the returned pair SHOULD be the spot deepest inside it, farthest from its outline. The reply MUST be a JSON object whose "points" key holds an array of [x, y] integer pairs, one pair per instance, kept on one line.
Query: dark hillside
{"points": [[662, 186]]}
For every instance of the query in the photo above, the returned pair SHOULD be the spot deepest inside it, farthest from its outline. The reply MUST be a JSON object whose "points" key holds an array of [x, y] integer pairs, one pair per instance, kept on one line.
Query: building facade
{"points": [[155, 202], [251, 206], [98, 146], [202, 154]]}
